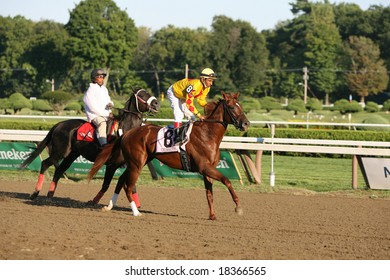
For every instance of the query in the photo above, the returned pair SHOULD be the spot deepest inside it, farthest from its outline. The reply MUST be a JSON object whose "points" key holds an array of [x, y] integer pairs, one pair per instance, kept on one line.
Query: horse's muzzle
{"points": [[244, 125], [154, 106]]}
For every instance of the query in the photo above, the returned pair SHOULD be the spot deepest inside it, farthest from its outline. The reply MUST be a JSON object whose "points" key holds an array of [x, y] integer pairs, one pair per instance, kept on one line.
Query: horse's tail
{"points": [[38, 150], [101, 159]]}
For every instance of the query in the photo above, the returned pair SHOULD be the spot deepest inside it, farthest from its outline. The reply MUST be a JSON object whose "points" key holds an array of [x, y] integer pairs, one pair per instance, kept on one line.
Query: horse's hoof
{"points": [[212, 217], [106, 209], [91, 203], [239, 211], [34, 195], [50, 194], [137, 214]]}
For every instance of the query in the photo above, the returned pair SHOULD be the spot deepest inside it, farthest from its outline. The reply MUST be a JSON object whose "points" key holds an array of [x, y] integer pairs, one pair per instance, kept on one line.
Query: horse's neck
{"points": [[132, 117], [216, 125], [130, 120]]}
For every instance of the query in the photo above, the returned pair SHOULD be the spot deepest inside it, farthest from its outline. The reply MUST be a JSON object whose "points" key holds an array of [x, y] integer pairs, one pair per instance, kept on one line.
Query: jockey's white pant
{"points": [[101, 129], [179, 107]]}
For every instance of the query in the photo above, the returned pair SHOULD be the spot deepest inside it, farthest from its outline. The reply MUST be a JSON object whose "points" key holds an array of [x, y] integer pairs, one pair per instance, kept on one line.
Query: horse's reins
{"points": [[235, 122]]}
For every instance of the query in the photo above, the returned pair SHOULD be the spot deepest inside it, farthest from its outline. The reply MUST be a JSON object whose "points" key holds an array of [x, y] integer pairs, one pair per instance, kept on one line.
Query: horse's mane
{"points": [[210, 107], [127, 105]]}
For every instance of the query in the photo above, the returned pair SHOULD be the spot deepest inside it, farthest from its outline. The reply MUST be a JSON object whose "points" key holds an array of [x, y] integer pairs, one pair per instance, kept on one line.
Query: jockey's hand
{"points": [[201, 118]]}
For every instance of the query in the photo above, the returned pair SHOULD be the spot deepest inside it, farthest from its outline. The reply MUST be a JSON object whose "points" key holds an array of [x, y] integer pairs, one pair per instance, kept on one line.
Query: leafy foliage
{"points": [[368, 74], [18, 102], [269, 103], [57, 99], [41, 105], [258, 64], [344, 106], [371, 107]]}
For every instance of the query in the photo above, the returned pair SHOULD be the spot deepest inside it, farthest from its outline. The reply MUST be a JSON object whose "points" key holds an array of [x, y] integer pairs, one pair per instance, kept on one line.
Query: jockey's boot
{"points": [[177, 137]]}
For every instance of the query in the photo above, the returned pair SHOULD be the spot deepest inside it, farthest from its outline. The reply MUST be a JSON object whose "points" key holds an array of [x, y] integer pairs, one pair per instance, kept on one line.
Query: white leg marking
{"points": [[134, 209]]}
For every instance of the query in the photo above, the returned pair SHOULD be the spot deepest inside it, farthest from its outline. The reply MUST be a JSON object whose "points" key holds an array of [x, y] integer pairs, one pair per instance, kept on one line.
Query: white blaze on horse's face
{"points": [[150, 100]]}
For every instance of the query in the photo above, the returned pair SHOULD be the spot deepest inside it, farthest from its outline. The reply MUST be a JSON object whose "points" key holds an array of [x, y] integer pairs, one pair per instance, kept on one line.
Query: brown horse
{"points": [[138, 147], [64, 147]]}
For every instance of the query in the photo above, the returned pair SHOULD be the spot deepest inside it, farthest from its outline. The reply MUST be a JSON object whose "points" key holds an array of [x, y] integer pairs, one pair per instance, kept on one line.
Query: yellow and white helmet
{"points": [[208, 74]]}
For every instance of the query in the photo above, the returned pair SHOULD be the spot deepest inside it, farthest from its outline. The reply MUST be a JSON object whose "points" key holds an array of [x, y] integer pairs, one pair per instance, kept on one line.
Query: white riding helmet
{"points": [[208, 74]]}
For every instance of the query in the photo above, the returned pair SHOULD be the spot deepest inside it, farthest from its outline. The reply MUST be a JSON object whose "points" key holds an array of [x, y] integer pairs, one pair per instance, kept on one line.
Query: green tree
{"points": [[296, 105], [386, 105], [323, 50], [240, 55], [351, 19], [269, 103], [171, 49], [47, 54], [313, 104], [344, 106], [367, 73], [5, 105], [57, 99], [17, 75], [101, 36], [18, 102], [41, 105], [371, 107]]}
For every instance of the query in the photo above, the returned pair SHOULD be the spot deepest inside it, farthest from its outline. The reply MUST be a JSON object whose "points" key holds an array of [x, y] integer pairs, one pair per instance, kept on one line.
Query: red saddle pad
{"points": [[86, 132]]}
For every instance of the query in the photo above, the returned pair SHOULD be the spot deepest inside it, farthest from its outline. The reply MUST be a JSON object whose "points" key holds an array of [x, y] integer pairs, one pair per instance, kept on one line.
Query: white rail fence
{"points": [[349, 125], [243, 144]]}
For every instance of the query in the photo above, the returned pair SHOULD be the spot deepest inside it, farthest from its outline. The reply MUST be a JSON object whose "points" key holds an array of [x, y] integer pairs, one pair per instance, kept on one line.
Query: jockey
{"points": [[182, 94], [98, 104]]}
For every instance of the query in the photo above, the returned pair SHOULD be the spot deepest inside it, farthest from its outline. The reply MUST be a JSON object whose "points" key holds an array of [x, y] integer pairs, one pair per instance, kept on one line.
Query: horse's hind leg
{"points": [[44, 166], [60, 170], [209, 195]]}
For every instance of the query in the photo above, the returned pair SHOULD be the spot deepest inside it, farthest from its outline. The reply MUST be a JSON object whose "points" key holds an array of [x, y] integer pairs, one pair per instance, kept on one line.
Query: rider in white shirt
{"points": [[98, 104]]}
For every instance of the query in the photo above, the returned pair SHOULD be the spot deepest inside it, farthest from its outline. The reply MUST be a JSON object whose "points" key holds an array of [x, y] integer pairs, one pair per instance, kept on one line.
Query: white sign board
{"points": [[376, 172]]}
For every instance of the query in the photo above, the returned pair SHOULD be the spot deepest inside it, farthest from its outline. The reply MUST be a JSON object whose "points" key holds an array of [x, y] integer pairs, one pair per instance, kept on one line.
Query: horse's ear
{"points": [[224, 95], [236, 95]]}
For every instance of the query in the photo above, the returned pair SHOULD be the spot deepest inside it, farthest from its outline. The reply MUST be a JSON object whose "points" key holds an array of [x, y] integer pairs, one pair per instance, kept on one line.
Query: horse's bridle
{"points": [[232, 116], [147, 102]]}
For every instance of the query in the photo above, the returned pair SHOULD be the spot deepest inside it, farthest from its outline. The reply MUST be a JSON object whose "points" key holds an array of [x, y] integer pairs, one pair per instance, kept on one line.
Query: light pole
{"points": [[52, 84], [305, 78]]}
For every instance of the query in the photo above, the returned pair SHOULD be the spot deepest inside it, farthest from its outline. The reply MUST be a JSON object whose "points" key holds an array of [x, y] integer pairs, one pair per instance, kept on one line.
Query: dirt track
{"points": [[174, 226]]}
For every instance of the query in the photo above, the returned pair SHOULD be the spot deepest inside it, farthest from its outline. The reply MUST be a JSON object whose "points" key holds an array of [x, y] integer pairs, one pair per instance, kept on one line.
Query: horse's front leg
{"points": [[215, 174], [118, 187], [131, 179], [108, 175], [208, 184]]}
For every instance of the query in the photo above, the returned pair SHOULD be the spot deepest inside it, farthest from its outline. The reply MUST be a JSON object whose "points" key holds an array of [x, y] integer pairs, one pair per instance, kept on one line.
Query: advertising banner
{"points": [[226, 166], [12, 155], [82, 166], [376, 172]]}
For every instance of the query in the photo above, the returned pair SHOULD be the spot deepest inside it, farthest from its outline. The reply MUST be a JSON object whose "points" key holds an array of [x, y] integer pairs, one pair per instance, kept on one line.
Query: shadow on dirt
{"points": [[66, 202]]}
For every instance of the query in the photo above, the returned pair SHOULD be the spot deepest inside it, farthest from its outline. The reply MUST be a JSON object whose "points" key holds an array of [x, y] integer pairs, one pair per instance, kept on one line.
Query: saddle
{"points": [[86, 132], [170, 140]]}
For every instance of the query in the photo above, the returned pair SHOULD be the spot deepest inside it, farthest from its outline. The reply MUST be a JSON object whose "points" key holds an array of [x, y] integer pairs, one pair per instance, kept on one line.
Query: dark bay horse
{"points": [[138, 147], [62, 142]]}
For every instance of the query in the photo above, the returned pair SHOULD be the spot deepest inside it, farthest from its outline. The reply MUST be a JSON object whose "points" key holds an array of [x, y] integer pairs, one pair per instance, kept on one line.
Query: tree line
{"points": [[344, 49]]}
